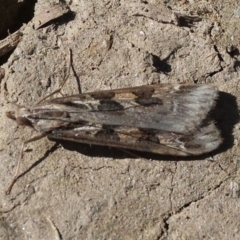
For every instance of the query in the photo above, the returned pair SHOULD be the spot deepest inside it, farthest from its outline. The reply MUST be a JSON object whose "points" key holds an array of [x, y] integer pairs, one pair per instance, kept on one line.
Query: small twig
{"points": [[55, 229]]}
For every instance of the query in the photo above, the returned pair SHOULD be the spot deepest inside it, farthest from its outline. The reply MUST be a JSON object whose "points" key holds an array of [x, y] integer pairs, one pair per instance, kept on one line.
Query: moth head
{"points": [[20, 116]]}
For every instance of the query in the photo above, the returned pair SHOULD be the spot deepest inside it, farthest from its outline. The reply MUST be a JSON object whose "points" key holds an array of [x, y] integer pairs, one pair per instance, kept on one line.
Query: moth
{"points": [[169, 119]]}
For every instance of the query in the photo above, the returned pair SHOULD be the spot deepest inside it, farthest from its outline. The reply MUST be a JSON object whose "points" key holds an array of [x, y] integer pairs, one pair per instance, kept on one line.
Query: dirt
{"points": [[74, 191]]}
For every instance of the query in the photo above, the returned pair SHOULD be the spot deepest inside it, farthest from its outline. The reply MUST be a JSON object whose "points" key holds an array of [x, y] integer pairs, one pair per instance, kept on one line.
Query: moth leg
{"points": [[64, 80], [11, 38], [130, 153], [16, 175]]}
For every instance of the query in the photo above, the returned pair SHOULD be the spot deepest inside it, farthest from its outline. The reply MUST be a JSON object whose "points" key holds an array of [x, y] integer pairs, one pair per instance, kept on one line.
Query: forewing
{"points": [[172, 108], [204, 140]]}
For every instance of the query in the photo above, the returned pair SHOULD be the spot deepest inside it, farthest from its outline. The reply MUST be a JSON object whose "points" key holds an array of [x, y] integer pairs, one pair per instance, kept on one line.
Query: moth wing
{"points": [[166, 107], [160, 142]]}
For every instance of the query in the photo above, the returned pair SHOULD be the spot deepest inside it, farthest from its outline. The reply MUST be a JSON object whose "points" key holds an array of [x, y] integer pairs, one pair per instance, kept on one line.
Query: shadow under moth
{"points": [[169, 119]]}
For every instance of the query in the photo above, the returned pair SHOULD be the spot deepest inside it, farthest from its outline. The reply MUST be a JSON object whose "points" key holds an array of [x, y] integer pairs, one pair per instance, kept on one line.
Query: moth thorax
{"points": [[23, 121]]}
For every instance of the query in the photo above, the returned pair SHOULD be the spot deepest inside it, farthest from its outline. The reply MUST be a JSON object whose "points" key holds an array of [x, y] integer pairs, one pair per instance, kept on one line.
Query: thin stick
{"points": [[64, 81], [55, 229]]}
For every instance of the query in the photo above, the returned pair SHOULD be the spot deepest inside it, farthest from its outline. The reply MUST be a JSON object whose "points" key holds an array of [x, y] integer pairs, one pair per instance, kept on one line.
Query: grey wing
{"points": [[172, 108]]}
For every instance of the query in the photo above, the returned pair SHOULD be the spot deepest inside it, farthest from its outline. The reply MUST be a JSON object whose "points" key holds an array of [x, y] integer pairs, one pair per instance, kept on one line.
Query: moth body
{"points": [[164, 119]]}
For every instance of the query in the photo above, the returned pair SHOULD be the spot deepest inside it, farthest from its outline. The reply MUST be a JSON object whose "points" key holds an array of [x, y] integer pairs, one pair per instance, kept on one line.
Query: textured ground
{"points": [[72, 191]]}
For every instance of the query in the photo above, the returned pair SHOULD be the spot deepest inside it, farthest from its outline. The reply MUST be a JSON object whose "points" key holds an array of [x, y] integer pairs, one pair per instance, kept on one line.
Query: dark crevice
{"points": [[213, 73], [221, 60], [219, 55], [16, 14], [13, 17], [180, 209]]}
